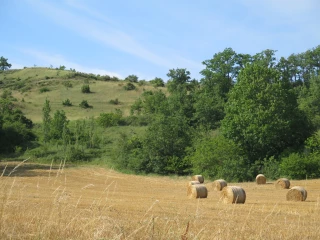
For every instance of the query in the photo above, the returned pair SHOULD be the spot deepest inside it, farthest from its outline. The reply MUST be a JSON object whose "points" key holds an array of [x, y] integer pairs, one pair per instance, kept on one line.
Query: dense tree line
{"points": [[248, 114]]}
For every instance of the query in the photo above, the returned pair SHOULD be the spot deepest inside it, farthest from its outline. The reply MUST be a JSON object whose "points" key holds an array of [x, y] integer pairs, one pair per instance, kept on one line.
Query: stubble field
{"points": [[44, 202]]}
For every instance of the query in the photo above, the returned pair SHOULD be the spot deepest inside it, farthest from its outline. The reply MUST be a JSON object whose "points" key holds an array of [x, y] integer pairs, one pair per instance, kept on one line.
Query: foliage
{"points": [[84, 104], [15, 128], [132, 78], [109, 119], [67, 102], [44, 89], [262, 114], [271, 168], [129, 86], [57, 124], [67, 84], [4, 65], [309, 100], [46, 120], [114, 101], [165, 145], [157, 82], [150, 102], [297, 166], [85, 88], [128, 153], [217, 157]]}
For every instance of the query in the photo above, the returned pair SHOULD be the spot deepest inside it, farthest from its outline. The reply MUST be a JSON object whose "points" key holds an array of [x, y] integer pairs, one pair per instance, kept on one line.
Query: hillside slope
{"points": [[31, 86]]}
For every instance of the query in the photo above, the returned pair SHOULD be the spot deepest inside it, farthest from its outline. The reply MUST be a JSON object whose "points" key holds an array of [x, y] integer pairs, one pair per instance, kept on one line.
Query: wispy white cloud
{"points": [[103, 30], [57, 60]]}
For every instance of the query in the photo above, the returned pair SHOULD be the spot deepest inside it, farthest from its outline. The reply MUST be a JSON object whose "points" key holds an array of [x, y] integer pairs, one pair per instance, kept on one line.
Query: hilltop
{"points": [[31, 86]]}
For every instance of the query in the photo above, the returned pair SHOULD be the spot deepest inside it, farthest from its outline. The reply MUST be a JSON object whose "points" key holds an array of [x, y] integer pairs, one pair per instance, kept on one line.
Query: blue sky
{"points": [[147, 38]]}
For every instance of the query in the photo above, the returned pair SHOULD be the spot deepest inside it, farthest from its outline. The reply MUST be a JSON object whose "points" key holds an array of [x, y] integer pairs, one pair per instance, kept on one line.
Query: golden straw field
{"points": [[43, 202]]}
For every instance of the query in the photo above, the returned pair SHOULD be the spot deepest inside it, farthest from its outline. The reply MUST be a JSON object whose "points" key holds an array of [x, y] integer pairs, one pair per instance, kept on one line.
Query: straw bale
{"points": [[282, 183], [261, 179], [233, 194], [219, 184], [198, 191], [297, 193], [198, 178], [189, 189]]}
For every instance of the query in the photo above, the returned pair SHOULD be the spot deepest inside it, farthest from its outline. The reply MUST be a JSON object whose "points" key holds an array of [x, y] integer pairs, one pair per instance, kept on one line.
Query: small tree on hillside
{"points": [[132, 78], [4, 65]]}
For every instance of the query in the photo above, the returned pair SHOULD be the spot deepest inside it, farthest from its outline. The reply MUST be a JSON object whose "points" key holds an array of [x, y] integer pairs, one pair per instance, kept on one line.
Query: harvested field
{"points": [[97, 203]]}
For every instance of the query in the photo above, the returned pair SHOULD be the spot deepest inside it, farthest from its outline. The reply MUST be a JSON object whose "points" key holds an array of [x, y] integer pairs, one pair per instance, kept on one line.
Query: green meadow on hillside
{"points": [[32, 86]]}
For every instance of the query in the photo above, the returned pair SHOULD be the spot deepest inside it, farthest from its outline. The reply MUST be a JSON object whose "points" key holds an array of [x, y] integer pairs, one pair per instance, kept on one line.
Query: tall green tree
{"points": [[46, 118], [4, 65], [262, 114]]}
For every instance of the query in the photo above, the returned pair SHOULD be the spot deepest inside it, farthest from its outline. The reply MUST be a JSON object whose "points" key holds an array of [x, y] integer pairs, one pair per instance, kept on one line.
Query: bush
{"points": [[115, 101], [44, 89], [67, 84], [131, 78], [129, 86], [85, 88], [217, 157], [142, 83], [84, 104], [297, 166], [157, 82], [67, 103], [109, 119]]}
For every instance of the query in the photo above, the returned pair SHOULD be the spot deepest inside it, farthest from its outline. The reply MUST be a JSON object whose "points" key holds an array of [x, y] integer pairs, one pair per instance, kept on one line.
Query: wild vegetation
{"points": [[248, 114]]}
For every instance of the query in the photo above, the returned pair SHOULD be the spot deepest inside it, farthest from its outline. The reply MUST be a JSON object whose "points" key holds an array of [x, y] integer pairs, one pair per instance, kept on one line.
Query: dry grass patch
{"points": [[95, 203]]}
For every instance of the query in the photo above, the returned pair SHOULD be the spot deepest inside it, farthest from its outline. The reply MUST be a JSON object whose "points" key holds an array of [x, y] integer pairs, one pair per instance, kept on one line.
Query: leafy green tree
{"points": [[58, 124], [165, 145], [178, 80], [46, 118], [132, 78], [157, 82], [4, 65], [85, 88], [309, 100], [217, 157], [150, 102], [262, 114], [129, 86], [15, 128]]}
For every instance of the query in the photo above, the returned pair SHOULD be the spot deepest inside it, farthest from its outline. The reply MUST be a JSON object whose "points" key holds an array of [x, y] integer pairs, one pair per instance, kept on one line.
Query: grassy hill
{"points": [[31, 86]]}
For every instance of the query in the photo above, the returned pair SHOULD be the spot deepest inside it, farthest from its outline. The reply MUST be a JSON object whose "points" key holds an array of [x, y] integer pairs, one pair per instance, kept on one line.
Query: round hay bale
{"points": [[219, 184], [297, 193], [198, 191], [233, 194], [261, 179], [282, 183], [198, 178], [189, 186]]}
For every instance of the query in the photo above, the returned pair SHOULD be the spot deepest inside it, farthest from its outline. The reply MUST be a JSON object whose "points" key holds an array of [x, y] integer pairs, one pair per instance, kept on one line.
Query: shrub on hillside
{"points": [[84, 104], [109, 119], [44, 89], [129, 86], [67, 102], [67, 84], [114, 101], [85, 88]]}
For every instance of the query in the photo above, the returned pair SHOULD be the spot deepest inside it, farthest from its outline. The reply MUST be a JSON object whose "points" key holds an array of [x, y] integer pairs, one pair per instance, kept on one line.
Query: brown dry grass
{"points": [[39, 202]]}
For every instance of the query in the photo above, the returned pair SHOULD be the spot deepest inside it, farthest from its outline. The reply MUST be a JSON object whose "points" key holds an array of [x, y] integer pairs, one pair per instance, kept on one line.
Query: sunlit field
{"points": [[45, 202]]}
